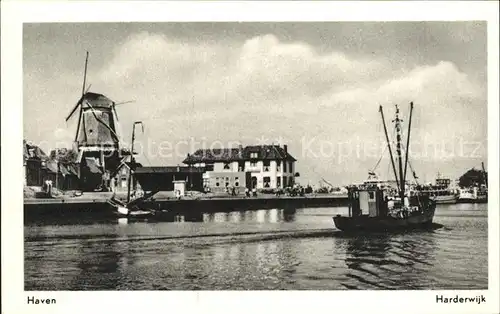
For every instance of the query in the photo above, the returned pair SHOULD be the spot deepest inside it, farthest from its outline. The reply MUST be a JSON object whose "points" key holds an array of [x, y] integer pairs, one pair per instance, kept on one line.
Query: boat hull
{"points": [[472, 200], [446, 199], [146, 215], [384, 224]]}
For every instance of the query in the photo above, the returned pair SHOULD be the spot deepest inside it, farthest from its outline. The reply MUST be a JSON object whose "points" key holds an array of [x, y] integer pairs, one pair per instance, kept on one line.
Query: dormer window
{"points": [[254, 155]]}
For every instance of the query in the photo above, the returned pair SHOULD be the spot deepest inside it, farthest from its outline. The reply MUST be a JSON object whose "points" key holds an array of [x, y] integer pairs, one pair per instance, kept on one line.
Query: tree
{"points": [[472, 177]]}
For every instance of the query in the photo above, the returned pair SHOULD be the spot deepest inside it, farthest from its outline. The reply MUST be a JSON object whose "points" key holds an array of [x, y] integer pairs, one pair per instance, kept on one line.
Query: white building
{"points": [[263, 167]]}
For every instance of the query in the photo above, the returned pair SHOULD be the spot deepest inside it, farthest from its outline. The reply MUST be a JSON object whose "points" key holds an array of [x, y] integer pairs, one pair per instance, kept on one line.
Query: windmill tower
{"points": [[99, 152]]}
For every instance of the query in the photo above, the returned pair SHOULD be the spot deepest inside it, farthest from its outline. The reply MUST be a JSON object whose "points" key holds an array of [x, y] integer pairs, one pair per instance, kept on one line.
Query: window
{"points": [[291, 166], [267, 165], [217, 184], [267, 182], [254, 155], [278, 165], [284, 181], [241, 166], [236, 183], [284, 168], [227, 166], [278, 182], [253, 164], [372, 195]]}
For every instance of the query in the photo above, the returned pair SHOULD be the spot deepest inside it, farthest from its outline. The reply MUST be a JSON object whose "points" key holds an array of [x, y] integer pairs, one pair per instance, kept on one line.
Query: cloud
{"points": [[242, 90]]}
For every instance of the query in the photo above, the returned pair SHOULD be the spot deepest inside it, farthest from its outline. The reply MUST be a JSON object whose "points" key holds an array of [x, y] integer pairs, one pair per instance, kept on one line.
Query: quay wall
{"points": [[35, 209]]}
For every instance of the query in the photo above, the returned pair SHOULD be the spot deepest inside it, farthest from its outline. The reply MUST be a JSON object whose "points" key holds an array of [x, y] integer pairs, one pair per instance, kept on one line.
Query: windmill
{"points": [[96, 137]]}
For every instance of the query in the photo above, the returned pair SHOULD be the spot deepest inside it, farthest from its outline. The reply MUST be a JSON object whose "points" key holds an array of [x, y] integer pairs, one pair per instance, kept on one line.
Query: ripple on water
{"points": [[300, 253]]}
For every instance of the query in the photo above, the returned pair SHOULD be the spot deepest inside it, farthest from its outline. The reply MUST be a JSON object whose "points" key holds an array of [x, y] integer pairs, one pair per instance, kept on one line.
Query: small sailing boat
{"points": [[372, 208], [136, 208]]}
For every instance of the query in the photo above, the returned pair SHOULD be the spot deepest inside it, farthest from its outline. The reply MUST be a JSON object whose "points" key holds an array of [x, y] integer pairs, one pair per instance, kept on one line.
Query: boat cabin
{"points": [[367, 201]]}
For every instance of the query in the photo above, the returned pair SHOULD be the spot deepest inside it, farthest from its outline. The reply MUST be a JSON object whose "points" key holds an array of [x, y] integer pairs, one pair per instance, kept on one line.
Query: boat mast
{"points": [[484, 174], [408, 141], [389, 146], [398, 151], [132, 160]]}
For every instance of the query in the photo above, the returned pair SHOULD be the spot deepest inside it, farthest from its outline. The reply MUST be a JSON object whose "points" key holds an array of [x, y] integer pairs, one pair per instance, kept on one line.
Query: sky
{"points": [[315, 86]]}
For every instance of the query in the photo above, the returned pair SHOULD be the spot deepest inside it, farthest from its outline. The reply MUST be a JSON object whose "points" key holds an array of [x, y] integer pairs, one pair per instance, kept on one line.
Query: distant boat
{"points": [[477, 193], [372, 209], [440, 191], [473, 195]]}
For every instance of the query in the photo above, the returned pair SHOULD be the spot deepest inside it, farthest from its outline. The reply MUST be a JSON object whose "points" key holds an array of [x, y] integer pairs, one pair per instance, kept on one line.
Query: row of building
{"points": [[259, 167]]}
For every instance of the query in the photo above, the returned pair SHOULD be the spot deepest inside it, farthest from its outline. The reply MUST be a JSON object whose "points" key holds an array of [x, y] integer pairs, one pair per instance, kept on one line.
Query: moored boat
{"points": [[441, 191], [477, 192], [372, 208], [473, 195], [135, 209], [446, 199]]}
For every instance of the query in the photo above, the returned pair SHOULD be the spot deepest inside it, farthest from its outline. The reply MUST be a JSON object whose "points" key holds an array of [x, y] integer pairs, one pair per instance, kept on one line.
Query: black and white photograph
{"points": [[257, 156]]}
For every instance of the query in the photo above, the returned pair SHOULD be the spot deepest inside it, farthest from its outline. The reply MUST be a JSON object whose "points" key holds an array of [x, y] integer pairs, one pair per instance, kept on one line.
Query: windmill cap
{"points": [[97, 100]]}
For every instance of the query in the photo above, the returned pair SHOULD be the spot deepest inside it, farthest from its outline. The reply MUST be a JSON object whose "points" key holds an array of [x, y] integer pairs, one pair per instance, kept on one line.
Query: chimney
{"points": [[285, 147]]}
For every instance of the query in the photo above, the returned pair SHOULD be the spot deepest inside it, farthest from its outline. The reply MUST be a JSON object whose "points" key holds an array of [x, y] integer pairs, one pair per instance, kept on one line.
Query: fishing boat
{"points": [[371, 208]]}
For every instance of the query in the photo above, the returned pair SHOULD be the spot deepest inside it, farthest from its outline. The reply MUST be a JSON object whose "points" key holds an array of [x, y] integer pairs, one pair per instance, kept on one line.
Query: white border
{"points": [[15, 13]]}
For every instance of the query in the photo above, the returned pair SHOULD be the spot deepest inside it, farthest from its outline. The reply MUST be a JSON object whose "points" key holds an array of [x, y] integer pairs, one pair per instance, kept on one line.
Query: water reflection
{"points": [[254, 250], [97, 257], [289, 214], [259, 216], [386, 261]]}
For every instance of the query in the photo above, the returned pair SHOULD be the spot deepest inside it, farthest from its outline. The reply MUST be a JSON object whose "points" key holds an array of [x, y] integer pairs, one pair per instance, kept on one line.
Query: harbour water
{"points": [[294, 249]]}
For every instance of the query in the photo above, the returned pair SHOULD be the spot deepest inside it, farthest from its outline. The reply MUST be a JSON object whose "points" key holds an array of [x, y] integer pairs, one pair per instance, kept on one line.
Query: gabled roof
{"points": [[268, 152], [264, 152], [31, 151], [63, 168]]}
